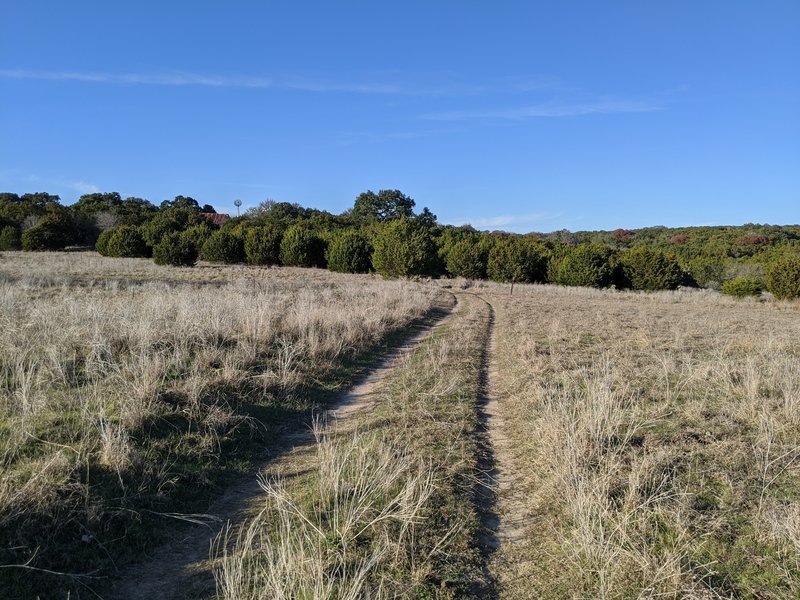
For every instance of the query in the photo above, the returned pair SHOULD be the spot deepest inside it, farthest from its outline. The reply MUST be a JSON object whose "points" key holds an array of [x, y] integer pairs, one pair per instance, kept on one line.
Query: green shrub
{"points": [[404, 248], [125, 240], [52, 232], [168, 221], [9, 238], [262, 245], [198, 234], [741, 287], [302, 247], [222, 246], [650, 269], [101, 245], [517, 260], [783, 277], [587, 265], [350, 252], [707, 271], [468, 258], [175, 249]]}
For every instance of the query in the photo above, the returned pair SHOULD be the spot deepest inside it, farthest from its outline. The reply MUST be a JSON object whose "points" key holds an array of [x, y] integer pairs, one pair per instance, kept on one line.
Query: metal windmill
{"points": [[237, 203]]}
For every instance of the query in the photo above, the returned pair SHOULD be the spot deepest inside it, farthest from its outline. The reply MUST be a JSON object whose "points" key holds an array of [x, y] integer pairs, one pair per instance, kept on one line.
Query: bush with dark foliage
{"points": [[175, 249]]}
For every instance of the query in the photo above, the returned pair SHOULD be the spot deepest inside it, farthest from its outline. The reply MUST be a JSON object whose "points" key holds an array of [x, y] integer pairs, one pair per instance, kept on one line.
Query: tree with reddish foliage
{"points": [[680, 239], [753, 239], [623, 235]]}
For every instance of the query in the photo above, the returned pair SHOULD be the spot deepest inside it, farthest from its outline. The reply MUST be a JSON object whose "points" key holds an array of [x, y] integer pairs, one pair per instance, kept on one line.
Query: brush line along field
{"points": [[554, 443]]}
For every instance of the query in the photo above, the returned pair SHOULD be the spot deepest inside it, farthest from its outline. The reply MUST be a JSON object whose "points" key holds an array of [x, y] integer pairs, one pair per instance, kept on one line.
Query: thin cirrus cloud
{"points": [[198, 79], [507, 220], [545, 110], [82, 187]]}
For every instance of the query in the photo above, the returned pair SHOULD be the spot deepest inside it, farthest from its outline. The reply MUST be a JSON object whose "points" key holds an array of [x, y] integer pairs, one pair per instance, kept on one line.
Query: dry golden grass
{"points": [[122, 383], [656, 444]]}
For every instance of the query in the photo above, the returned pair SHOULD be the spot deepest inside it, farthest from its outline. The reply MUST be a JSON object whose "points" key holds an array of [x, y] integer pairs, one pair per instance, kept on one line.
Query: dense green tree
{"points": [[185, 202], [91, 204], [350, 252], [124, 240], [175, 249], [169, 221], [404, 248], [40, 200], [222, 246], [262, 245], [14, 209], [9, 197], [198, 234], [646, 268], [10, 238], [449, 236], [135, 211], [280, 214], [301, 246], [707, 271], [468, 258], [101, 245], [783, 277], [383, 206], [53, 232], [515, 259], [587, 265]]}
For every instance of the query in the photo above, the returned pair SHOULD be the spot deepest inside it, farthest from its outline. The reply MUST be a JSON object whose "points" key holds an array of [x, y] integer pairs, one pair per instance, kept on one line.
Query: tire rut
{"points": [[501, 506]]}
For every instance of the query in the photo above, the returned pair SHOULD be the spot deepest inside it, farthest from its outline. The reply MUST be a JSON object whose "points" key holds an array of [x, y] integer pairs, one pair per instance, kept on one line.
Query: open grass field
{"points": [[653, 442], [130, 393], [553, 443]]}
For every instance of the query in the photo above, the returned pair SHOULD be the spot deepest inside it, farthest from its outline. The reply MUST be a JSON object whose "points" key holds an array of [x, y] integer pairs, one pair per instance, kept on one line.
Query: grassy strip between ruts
{"points": [[384, 504]]}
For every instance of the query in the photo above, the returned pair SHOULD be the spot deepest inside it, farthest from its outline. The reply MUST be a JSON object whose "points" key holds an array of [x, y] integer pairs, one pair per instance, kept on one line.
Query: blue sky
{"points": [[510, 115]]}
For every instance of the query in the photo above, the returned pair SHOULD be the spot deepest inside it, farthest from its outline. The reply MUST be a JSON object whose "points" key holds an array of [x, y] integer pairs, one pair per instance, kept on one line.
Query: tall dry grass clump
{"points": [[346, 535], [659, 444], [122, 383]]}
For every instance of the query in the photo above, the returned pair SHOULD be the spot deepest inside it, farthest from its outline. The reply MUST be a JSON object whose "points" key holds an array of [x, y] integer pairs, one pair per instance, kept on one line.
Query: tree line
{"points": [[383, 233]]}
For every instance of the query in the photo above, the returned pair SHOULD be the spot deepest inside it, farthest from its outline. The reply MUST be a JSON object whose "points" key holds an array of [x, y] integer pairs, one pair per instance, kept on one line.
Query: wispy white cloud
{"points": [[507, 221], [81, 187], [359, 88], [173, 78], [180, 78], [361, 137], [545, 110]]}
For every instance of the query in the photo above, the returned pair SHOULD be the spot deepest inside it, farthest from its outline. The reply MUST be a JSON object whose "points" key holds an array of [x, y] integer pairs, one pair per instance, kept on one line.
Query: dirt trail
{"points": [[503, 500], [181, 569]]}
